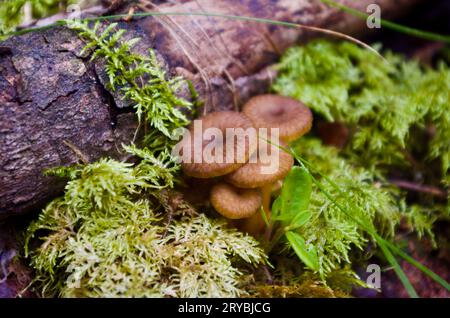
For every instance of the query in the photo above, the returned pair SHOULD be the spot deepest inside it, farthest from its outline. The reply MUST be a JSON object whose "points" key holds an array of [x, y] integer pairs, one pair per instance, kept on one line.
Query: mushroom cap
{"points": [[254, 173], [242, 145], [292, 117], [235, 203]]}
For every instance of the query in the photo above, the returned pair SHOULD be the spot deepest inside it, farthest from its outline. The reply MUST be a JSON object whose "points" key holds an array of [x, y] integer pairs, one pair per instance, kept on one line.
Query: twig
{"points": [[87, 12], [423, 188]]}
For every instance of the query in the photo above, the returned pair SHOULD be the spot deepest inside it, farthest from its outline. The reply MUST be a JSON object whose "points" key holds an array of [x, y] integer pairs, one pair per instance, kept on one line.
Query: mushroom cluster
{"points": [[246, 182]]}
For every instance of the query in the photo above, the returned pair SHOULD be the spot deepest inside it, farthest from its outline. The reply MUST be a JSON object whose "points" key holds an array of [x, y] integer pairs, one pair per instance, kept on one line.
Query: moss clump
{"points": [[384, 102], [332, 232], [107, 237], [398, 112], [140, 80], [328, 218]]}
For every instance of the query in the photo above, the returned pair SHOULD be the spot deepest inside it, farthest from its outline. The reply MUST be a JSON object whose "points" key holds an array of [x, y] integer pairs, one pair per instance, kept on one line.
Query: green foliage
{"points": [[320, 233], [294, 198], [381, 101], [103, 185], [144, 83], [421, 219], [292, 209], [11, 11], [201, 251], [307, 252], [100, 240], [392, 108], [356, 208], [10, 14]]}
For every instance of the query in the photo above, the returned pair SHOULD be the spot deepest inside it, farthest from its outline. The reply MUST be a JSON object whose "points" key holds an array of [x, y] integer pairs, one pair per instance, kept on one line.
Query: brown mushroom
{"points": [[292, 117], [240, 143], [258, 171], [254, 174], [234, 203]]}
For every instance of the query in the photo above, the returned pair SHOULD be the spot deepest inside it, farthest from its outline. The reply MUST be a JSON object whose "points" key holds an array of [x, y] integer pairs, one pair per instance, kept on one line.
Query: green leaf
{"points": [[295, 194], [306, 252], [300, 219], [276, 208]]}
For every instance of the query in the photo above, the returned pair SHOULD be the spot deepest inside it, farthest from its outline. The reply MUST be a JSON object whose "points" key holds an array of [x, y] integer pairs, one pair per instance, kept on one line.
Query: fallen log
{"points": [[53, 101]]}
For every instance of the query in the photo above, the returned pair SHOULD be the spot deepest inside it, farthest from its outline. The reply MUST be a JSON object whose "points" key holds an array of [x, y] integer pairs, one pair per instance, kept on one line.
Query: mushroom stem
{"points": [[255, 224]]}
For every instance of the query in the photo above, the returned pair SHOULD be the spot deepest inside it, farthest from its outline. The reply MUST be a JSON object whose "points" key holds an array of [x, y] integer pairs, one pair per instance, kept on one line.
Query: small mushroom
{"points": [[234, 203], [261, 170], [254, 174], [292, 117], [242, 147]]}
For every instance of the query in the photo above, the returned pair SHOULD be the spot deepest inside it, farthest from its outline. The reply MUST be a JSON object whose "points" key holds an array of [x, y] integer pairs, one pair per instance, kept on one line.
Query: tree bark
{"points": [[53, 101]]}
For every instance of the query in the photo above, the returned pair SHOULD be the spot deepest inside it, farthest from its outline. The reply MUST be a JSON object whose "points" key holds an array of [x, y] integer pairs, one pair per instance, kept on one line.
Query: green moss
{"points": [[381, 101], [333, 234], [335, 219], [109, 237], [140, 80], [398, 112]]}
